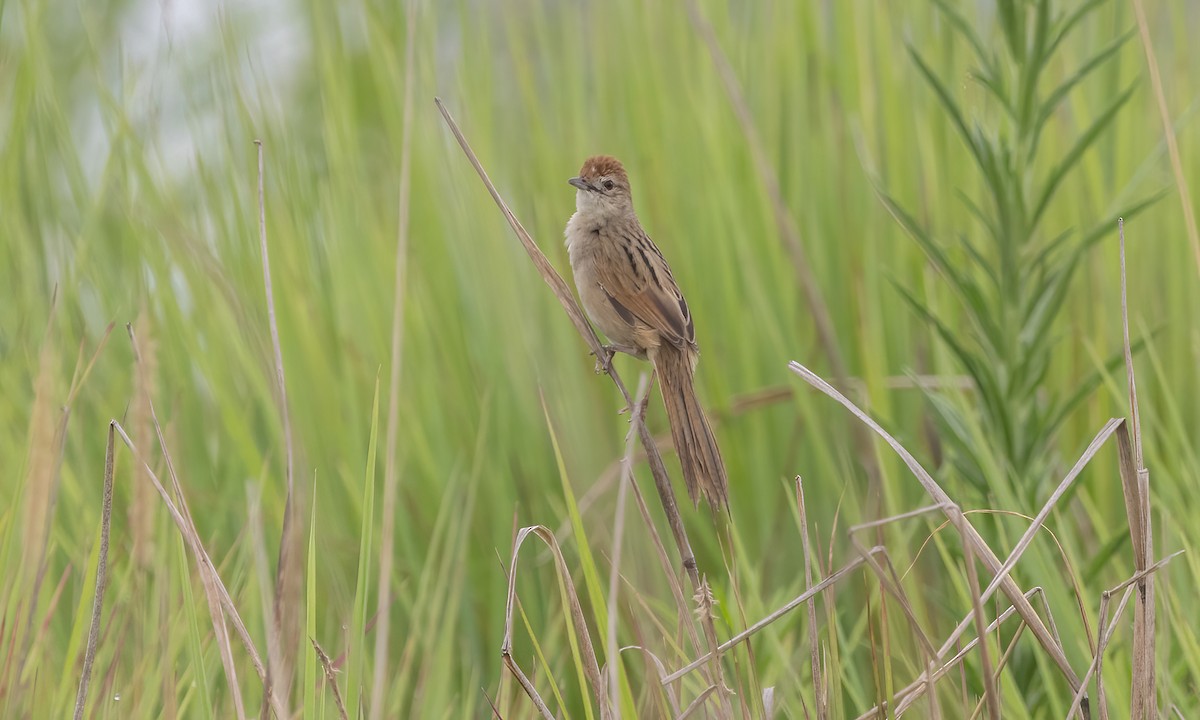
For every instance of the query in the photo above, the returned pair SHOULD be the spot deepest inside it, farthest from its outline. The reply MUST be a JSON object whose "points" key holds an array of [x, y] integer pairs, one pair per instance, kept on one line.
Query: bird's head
{"points": [[602, 186]]}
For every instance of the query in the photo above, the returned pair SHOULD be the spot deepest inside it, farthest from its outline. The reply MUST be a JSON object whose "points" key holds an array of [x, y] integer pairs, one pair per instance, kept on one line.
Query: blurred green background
{"points": [[128, 195]]}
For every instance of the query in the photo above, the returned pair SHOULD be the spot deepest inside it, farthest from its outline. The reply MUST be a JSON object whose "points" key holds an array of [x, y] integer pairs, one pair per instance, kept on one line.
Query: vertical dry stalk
{"points": [[614, 577], [1135, 482], [391, 471], [280, 650], [89, 656], [820, 700], [991, 696]]}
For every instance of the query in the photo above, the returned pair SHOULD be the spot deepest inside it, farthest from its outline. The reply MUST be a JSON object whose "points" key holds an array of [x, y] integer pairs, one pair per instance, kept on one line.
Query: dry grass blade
{"points": [[820, 700], [280, 653], [698, 703], [889, 580], [1135, 482], [791, 605], [662, 481], [981, 548], [89, 656], [391, 471], [906, 696], [330, 678], [590, 667], [220, 603], [672, 696]]}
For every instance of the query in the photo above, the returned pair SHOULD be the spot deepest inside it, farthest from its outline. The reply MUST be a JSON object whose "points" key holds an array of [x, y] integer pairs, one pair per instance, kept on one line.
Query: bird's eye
{"points": [[608, 185]]}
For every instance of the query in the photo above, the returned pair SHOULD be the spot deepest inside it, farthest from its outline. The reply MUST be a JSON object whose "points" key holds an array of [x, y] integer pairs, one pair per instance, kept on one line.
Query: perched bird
{"points": [[629, 293]]}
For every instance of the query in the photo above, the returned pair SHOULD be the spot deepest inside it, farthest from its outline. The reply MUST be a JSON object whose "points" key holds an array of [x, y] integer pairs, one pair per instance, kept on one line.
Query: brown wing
{"points": [[648, 293]]}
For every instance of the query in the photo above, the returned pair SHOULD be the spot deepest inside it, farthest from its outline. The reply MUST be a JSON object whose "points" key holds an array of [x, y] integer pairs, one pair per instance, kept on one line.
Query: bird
{"points": [[629, 293]]}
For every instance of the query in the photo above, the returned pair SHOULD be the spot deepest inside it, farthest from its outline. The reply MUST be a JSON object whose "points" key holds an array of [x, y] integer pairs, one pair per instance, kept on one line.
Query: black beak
{"points": [[579, 183]]}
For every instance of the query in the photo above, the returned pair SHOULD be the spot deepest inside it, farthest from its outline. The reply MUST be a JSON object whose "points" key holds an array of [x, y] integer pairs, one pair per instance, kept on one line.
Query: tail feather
{"points": [[699, 455]]}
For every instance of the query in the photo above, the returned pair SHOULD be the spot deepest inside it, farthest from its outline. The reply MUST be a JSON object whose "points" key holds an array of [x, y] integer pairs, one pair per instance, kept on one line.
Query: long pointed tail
{"points": [[703, 469]]}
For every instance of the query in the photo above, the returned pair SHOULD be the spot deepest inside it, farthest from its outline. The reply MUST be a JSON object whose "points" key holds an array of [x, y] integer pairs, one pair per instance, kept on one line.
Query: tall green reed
{"points": [[1014, 271]]}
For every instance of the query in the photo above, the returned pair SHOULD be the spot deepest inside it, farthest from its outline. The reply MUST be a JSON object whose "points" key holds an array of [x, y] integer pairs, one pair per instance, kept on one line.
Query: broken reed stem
{"points": [[391, 471], [1106, 633], [662, 481], [1135, 484], [89, 656]]}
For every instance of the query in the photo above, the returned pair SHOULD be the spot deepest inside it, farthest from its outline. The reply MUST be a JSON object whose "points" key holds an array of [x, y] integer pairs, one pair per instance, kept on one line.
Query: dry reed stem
{"points": [[1135, 484], [391, 471], [1185, 198], [820, 700], [685, 616], [990, 694], [985, 552], [614, 577], [662, 481], [89, 656], [566, 584], [330, 678], [1126, 588], [281, 654], [791, 605]]}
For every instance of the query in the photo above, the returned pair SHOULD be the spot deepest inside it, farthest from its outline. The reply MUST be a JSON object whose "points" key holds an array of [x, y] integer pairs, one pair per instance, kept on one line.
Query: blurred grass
{"points": [[127, 178]]}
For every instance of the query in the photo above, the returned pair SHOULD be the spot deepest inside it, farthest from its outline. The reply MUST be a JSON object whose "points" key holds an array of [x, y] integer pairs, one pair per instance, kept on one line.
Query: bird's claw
{"points": [[604, 359]]}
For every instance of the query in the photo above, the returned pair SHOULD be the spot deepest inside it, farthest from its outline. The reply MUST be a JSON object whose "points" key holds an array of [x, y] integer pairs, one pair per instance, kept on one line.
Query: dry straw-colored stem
{"points": [[820, 701], [89, 656], [796, 602], [1135, 484]]}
